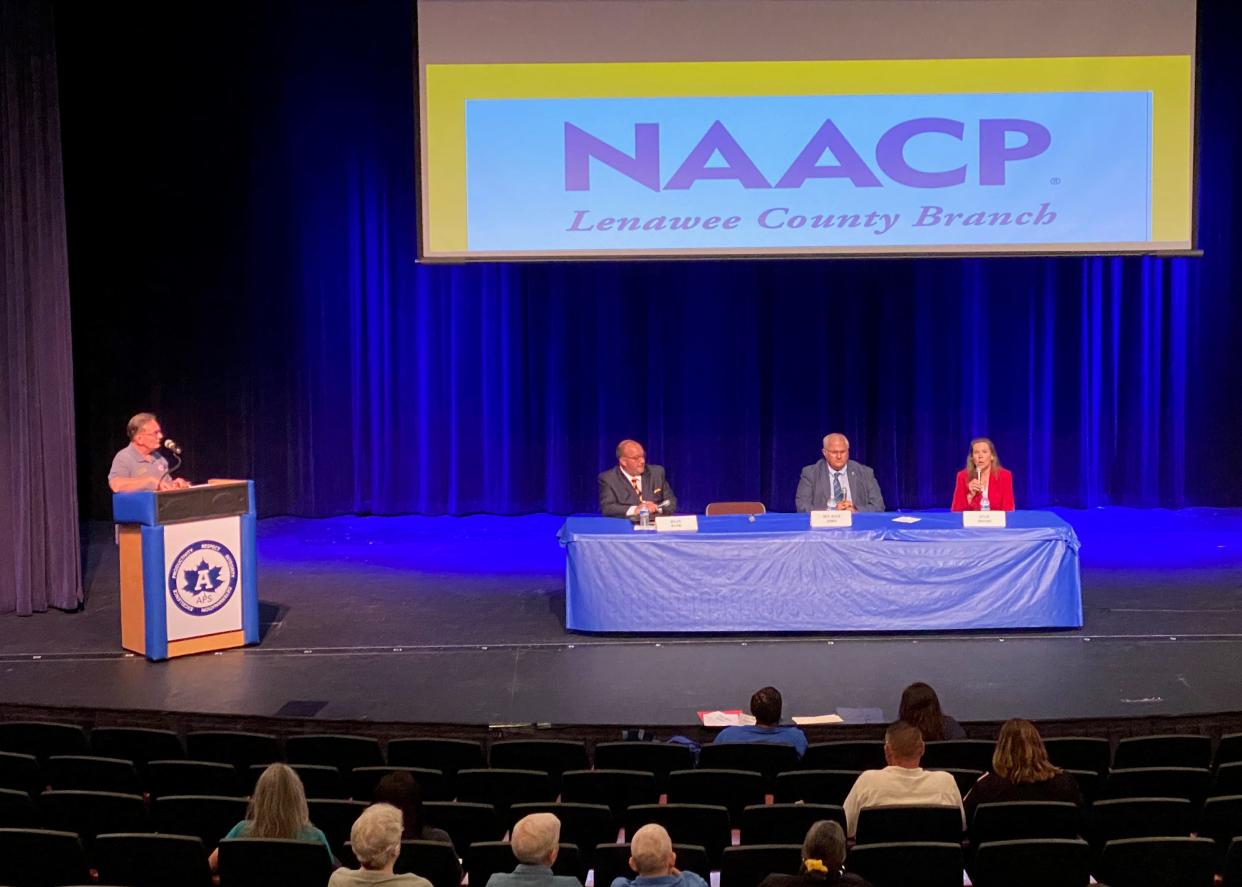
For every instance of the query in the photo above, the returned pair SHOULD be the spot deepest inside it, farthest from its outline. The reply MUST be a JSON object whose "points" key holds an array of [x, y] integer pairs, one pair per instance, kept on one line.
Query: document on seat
{"points": [[812, 720], [861, 715], [732, 717]]}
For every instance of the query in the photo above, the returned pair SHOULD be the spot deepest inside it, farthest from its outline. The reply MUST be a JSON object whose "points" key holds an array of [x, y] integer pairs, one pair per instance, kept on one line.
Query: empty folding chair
{"points": [[43, 738], [343, 752], [503, 788], [747, 866], [1019, 820], [552, 756], [1158, 782], [21, 772], [703, 825], [908, 864], [137, 744], [1178, 750], [612, 861], [1036, 862], [145, 860], [467, 823], [235, 747], [856, 755], [446, 755], [261, 862], [785, 823], [432, 786], [486, 858], [660, 758], [905, 824], [765, 757], [1221, 820], [435, 861], [194, 778], [618, 789], [1078, 753], [732, 789], [17, 810], [1227, 780], [206, 817], [87, 773], [1137, 818], [41, 856], [959, 754], [814, 786], [1157, 862], [335, 817], [583, 825], [89, 813]]}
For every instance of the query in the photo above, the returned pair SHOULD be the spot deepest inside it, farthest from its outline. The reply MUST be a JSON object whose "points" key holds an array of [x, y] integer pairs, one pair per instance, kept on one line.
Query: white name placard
{"points": [[832, 518], [677, 523], [983, 518]]}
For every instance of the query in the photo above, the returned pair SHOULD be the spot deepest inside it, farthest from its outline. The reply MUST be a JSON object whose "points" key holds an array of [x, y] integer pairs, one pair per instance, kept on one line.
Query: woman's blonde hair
{"points": [[1020, 755], [278, 806]]}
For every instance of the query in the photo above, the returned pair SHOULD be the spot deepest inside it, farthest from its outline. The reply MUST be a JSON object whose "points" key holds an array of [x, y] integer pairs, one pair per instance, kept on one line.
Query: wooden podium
{"points": [[188, 571]]}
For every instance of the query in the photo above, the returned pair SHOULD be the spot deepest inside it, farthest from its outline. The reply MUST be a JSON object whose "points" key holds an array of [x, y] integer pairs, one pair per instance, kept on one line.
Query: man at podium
{"points": [[139, 467]]}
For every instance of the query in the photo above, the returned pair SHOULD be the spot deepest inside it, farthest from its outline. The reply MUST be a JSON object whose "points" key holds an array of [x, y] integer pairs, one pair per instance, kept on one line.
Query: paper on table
{"points": [[733, 717], [811, 720], [906, 519], [860, 715]]}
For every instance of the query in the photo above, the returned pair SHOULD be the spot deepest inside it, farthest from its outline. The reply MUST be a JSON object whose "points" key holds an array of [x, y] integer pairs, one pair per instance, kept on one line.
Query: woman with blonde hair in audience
{"points": [[1021, 771], [277, 810], [376, 840], [823, 861]]}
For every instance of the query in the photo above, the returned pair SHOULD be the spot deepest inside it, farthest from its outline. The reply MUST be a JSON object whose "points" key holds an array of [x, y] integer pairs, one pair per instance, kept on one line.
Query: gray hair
{"points": [[826, 842], [135, 424], [535, 838], [650, 848], [376, 836], [844, 439]]}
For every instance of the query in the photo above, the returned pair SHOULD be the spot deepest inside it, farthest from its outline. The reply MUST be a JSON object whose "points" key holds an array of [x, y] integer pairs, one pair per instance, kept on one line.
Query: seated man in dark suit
{"points": [[624, 490], [838, 482], [535, 840]]}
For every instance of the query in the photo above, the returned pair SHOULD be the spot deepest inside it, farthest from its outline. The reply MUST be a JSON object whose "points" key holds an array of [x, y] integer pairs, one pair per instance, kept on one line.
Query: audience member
{"points": [[903, 781], [376, 840], [400, 789], [823, 855], [765, 705], [1021, 772], [921, 707], [652, 857], [535, 841], [277, 810]]}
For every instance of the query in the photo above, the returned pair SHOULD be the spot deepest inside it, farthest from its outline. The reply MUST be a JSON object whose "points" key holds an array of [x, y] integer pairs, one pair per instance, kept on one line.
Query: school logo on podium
{"points": [[203, 577]]}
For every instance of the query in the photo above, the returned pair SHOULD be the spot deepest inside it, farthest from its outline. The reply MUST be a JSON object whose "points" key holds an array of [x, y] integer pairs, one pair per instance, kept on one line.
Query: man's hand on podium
{"points": [[174, 483]]}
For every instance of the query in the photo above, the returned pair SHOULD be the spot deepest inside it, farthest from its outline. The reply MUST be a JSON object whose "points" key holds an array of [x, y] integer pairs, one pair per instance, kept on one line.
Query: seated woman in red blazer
{"points": [[982, 480]]}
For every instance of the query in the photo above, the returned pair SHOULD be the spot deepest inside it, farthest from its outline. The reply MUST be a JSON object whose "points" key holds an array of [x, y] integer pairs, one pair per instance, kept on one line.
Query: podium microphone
{"points": [[175, 450]]}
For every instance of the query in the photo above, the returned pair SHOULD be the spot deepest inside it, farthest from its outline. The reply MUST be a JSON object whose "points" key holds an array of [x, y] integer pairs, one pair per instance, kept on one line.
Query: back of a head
{"points": [[825, 842], [904, 743], [920, 706], [651, 849], [765, 705], [376, 836], [535, 838], [278, 806], [401, 790], [1020, 755]]}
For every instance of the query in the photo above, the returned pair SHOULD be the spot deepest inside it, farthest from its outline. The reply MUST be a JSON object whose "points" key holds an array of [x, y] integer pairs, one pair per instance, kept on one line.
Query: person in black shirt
{"points": [[1021, 771]]}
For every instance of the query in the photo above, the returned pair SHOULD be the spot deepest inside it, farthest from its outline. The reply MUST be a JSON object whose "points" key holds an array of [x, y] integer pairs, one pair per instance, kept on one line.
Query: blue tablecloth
{"points": [[774, 573]]}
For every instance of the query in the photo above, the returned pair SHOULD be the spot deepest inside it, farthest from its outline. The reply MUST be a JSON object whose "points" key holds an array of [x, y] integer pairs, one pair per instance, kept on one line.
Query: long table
{"points": [[774, 573]]}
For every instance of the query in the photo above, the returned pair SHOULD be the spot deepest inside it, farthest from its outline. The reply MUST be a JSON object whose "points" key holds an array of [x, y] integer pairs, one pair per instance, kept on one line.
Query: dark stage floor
{"points": [[460, 620]]}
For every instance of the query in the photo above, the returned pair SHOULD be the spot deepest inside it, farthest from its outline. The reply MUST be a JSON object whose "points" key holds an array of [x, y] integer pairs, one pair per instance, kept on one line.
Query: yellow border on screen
{"points": [[1167, 77]]}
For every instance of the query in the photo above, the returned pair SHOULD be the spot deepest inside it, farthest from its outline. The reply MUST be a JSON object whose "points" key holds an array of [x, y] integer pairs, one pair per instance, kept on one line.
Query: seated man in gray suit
{"points": [[535, 840], [838, 481], [625, 489]]}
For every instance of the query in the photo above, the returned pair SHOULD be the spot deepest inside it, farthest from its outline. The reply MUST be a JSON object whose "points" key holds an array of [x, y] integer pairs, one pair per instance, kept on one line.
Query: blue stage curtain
{"points": [[40, 564], [361, 382]]}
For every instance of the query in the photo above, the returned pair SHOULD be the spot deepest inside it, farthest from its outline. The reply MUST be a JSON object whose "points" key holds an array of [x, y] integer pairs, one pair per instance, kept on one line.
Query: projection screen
{"points": [[668, 128]]}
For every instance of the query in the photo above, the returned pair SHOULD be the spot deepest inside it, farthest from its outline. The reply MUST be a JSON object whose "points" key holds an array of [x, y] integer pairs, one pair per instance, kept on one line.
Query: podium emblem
{"points": [[203, 577]]}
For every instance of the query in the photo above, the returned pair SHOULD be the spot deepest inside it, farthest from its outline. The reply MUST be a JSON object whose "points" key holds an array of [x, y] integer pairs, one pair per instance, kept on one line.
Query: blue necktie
{"points": [[837, 495]]}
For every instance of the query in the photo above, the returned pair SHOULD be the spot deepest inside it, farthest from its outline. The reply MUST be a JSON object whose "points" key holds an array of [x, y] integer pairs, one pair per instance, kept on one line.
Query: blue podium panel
{"points": [[774, 573]]}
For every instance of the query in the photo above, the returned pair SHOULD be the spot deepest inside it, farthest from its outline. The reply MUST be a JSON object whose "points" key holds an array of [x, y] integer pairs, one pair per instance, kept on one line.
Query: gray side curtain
{"points": [[40, 561]]}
